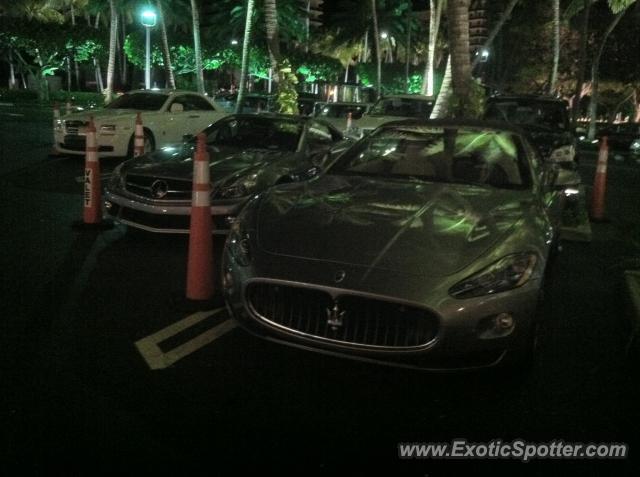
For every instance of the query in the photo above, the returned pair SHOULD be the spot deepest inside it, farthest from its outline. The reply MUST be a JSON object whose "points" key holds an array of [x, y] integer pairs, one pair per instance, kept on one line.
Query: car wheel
{"points": [[149, 143]]}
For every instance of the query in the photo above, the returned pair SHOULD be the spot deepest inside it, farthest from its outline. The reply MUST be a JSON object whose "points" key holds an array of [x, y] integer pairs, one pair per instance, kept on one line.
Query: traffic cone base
{"points": [[600, 183]]}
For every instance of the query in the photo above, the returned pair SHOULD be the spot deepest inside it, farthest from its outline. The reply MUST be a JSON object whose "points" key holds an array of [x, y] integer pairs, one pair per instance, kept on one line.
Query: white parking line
{"points": [[157, 359]]}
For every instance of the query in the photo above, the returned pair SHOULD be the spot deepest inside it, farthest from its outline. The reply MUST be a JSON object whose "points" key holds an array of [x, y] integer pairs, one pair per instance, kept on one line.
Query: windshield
{"points": [[327, 110], [434, 154], [139, 101], [402, 107], [546, 114], [257, 132]]}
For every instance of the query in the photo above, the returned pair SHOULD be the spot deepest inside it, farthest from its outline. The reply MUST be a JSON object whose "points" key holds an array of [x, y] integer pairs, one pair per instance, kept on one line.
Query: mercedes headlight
{"points": [[508, 273], [117, 178], [239, 245], [635, 146], [238, 189]]}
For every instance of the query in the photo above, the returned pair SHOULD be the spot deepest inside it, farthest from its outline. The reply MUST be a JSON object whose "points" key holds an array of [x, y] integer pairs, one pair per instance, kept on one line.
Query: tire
{"points": [[149, 143]]}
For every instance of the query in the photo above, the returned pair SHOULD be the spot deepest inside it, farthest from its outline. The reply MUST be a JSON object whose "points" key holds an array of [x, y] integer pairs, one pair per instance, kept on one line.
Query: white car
{"points": [[167, 115], [393, 108]]}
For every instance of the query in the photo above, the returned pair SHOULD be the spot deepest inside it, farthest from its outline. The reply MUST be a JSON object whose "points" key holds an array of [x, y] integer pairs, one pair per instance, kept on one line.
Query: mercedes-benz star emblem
{"points": [[335, 316], [159, 189], [339, 276]]}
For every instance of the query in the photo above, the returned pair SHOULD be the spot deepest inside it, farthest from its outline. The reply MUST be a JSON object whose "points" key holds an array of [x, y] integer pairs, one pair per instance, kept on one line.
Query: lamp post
{"points": [[148, 19]]}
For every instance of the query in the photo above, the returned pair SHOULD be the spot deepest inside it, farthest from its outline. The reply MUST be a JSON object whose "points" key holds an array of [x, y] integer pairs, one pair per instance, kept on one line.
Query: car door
{"points": [[177, 122]]}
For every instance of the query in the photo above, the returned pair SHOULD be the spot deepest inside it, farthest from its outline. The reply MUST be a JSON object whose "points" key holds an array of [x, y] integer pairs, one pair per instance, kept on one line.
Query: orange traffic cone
{"points": [[200, 265], [56, 125], [138, 146], [600, 182], [92, 194]]}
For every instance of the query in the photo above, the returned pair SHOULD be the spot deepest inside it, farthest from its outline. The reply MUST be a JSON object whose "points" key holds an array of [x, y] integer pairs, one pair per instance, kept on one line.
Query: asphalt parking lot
{"points": [[109, 370]]}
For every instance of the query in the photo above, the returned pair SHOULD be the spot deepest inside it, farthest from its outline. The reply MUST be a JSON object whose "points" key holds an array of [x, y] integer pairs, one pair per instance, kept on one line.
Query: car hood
{"points": [[408, 227], [175, 162]]}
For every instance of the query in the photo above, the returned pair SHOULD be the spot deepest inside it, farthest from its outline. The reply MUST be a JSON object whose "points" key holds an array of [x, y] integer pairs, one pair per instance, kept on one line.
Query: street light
{"points": [[234, 42], [384, 35], [148, 19]]}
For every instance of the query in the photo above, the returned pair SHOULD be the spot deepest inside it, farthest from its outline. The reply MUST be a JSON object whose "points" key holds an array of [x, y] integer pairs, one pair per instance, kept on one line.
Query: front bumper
{"points": [[109, 145], [462, 340], [166, 217]]}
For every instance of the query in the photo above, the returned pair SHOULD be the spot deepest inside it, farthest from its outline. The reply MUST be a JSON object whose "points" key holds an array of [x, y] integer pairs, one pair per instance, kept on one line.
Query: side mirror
{"points": [[176, 108], [562, 154]]}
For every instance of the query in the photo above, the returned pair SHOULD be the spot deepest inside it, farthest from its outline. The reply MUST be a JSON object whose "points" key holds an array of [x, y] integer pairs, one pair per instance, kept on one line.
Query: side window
{"points": [[196, 103], [179, 100], [318, 136]]}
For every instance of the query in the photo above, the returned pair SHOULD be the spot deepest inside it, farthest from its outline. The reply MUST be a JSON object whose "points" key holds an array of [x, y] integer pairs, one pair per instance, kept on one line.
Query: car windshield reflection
{"points": [[461, 156], [256, 133]]}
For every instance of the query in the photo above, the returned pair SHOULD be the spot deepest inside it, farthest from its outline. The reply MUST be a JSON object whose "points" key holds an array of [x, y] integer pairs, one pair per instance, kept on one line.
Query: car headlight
{"points": [[508, 273], [108, 129], [58, 125], [239, 245], [563, 154], [635, 146], [238, 189], [117, 178]]}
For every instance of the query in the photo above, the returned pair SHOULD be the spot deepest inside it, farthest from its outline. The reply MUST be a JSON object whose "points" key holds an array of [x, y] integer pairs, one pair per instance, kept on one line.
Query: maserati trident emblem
{"points": [[159, 189], [335, 316]]}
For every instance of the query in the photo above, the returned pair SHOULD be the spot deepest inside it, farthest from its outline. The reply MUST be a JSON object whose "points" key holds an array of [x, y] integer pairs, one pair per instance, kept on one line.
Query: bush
{"points": [[18, 95]]}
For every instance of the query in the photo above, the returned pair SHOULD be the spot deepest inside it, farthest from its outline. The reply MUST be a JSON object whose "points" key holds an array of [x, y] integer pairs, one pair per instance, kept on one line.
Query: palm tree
{"points": [[245, 55], [582, 58], [556, 46], [506, 14], [458, 19], [271, 26], [111, 65], [171, 79], [435, 14], [195, 18], [376, 36]]}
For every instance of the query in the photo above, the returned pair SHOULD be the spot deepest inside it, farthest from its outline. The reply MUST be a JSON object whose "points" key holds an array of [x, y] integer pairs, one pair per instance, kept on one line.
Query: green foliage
{"points": [[315, 67], [393, 77], [287, 94], [471, 107], [18, 95]]}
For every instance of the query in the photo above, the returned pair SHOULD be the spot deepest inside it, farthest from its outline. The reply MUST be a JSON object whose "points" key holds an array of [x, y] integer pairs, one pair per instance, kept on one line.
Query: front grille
{"points": [[75, 143], [364, 321], [141, 185], [73, 127]]}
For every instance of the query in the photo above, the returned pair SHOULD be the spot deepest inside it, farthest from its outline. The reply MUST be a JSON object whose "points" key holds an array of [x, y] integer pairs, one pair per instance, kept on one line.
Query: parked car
{"points": [[248, 153], [337, 113], [253, 102], [546, 119], [425, 244], [167, 115], [394, 108], [622, 136]]}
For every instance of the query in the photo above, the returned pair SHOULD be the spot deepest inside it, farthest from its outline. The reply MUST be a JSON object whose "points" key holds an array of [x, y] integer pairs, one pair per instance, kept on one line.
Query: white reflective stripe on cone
{"points": [[201, 199], [201, 172]]}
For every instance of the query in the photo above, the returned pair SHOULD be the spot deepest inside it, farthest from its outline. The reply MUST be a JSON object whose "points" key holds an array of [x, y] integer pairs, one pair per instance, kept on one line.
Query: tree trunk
{"points": [[496, 29], [435, 14], [125, 64], [98, 20], [12, 72], [195, 17], [440, 108], [458, 18], [582, 60], [171, 79], [595, 76], [245, 55], [376, 39], [111, 65], [556, 47], [98, 71], [273, 40]]}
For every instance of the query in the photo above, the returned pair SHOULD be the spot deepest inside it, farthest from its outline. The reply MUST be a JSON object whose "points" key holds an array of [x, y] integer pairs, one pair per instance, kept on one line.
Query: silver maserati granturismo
{"points": [[425, 244]]}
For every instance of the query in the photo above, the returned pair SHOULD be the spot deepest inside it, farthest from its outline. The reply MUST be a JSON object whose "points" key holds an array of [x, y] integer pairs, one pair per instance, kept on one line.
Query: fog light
{"points": [[107, 204], [504, 321]]}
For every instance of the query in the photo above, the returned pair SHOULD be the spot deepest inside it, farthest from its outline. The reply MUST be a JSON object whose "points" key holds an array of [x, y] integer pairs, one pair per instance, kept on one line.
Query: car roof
{"points": [[468, 123], [163, 91], [409, 96], [525, 97], [343, 103]]}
